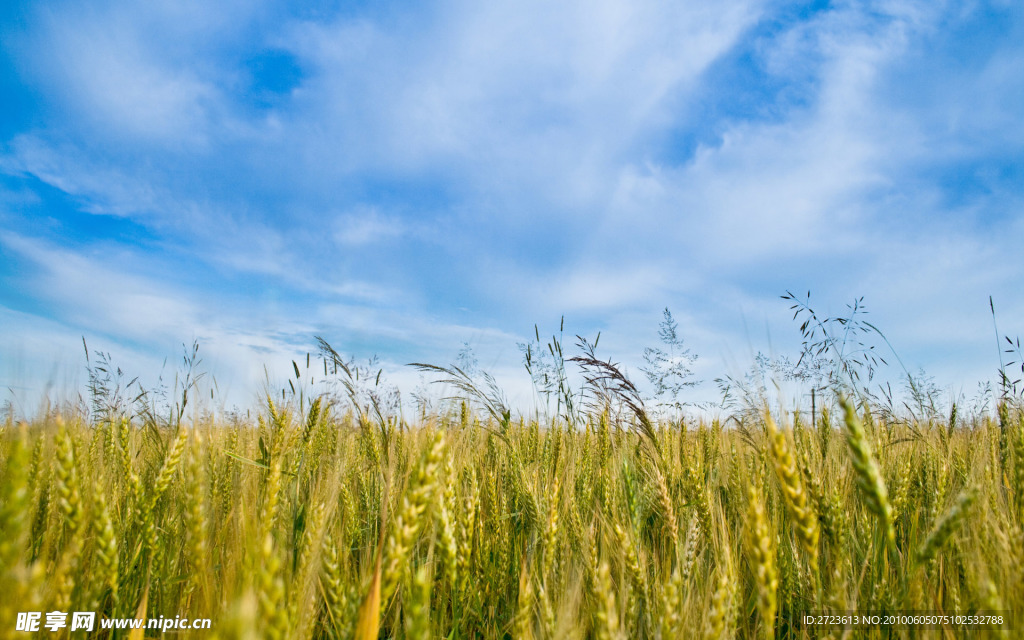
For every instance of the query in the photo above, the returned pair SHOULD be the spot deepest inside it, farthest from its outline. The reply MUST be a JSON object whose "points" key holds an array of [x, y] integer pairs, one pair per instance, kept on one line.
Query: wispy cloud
{"points": [[366, 226]]}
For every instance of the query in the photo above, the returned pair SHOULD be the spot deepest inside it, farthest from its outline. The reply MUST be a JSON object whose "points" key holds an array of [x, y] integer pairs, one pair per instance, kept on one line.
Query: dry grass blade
{"points": [[368, 624]]}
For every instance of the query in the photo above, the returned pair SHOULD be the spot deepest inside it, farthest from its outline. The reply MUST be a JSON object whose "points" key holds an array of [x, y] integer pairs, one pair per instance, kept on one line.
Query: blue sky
{"points": [[403, 178]]}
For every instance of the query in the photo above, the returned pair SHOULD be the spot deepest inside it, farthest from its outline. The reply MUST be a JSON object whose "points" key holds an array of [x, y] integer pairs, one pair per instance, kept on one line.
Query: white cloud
{"points": [[366, 226], [141, 320], [100, 298], [477, 128], [103, 190], [106, 66], [511, 98]]}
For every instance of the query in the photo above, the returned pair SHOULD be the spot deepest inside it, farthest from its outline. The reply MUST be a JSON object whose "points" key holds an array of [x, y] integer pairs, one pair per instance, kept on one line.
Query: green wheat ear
{"points": [[946, 526], [869, 477], [796, 500]]}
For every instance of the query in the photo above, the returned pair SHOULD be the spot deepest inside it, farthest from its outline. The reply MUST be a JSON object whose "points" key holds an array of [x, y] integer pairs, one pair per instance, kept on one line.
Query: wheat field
{"points": [[320, 521]]}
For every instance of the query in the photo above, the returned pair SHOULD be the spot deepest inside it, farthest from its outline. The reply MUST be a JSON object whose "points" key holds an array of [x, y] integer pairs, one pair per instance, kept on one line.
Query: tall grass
{"points": [[327, 525]]}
